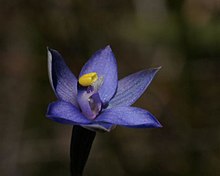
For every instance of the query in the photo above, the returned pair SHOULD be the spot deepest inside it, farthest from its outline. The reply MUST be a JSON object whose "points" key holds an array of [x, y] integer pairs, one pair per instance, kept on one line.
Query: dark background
{"points": [[182, 36]]}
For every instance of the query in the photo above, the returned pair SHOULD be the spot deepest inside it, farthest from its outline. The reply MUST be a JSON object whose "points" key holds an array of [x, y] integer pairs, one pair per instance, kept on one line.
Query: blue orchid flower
{"points": [[97, 100]]}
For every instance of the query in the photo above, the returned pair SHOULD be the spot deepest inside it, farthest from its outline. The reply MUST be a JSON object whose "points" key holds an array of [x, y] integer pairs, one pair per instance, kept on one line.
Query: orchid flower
{"points": [[97, 100]]}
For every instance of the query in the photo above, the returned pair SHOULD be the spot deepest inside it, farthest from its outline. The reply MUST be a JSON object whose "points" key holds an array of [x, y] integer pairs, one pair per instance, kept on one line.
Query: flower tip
{"points": [[49, 49], [49, 53], [155, 70], [159, 125], [108, 47], [158, 68]]}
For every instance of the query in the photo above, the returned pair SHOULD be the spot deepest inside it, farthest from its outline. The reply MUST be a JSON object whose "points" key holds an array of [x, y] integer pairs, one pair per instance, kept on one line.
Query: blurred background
{"points": [[181, 36]]}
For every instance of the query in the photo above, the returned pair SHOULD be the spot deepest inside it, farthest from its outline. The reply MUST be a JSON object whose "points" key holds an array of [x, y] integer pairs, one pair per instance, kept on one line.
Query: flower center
{"points": [[88, 96]]}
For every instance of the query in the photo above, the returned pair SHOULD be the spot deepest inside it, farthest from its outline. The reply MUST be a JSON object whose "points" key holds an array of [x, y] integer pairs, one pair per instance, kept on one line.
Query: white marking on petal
{"points": [[96, 85], [49, 59], [97, 127]]}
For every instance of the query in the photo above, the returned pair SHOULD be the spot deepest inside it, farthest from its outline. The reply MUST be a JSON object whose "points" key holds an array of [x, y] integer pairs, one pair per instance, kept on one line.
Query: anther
{"points": [[88, 79]]}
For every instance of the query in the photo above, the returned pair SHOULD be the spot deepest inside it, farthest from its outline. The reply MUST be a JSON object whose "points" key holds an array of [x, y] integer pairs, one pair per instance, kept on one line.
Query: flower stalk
{"points": [[81, 143]]}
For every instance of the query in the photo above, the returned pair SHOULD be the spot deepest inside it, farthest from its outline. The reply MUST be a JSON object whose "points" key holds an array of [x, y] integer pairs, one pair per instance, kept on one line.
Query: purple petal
{"points": [[104, 64], [129, 117], [132, 87], [62, 80], [64, 112]]}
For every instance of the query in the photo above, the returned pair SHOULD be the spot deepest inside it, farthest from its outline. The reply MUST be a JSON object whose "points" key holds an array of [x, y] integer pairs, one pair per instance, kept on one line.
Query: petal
{"points": [[62, 80], [129, 117], [132, 87], [104, 64], [64, 112]]}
